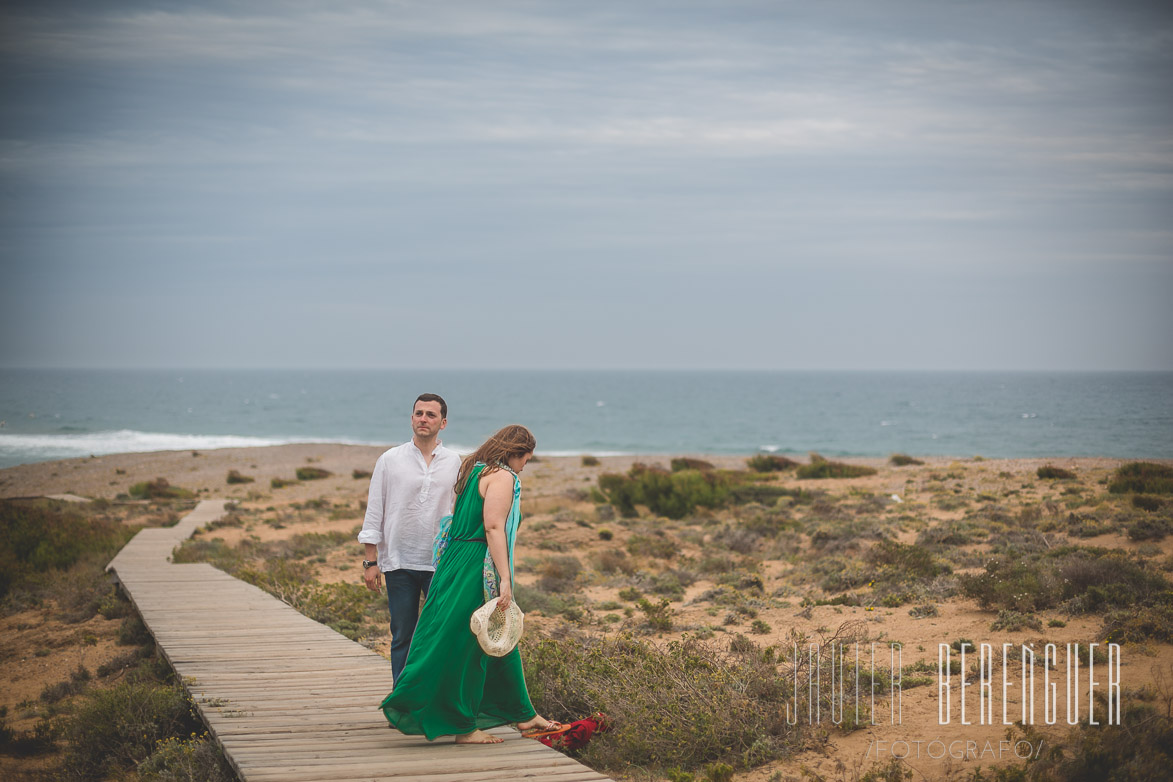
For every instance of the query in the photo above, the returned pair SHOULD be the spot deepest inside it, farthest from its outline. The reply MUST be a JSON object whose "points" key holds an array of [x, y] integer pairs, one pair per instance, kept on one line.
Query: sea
{"points": [[58, 414]]}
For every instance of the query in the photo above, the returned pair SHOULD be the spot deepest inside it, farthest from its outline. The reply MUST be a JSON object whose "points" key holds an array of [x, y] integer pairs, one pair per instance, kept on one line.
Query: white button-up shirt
{"points": [[407, 499]]}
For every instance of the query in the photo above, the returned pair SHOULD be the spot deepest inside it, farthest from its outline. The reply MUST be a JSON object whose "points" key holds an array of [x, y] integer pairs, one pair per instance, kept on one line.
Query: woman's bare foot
{"points": [[538, 724], [478, 737]]}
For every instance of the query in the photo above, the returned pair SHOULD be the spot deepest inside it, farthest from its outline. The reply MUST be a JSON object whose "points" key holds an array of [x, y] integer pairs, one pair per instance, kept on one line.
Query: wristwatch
{"points": [[366, 563]]}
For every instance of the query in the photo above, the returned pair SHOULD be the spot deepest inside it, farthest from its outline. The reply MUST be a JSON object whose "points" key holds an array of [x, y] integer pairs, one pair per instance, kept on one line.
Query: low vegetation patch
{"points": [[1080, 580], [108, 723], [1139, 751], [51, 549], [1142, 478], [312, 473], [768, 462], [822, 468], [903, 460], [158, 489], [234, 476], [671, 494], [118, 728], [1049, 472], [735, 700], [689, 463]]}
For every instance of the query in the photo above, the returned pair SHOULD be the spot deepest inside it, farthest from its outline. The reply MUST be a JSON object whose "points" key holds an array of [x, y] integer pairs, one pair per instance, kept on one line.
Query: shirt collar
{"points": [[439, 445]]}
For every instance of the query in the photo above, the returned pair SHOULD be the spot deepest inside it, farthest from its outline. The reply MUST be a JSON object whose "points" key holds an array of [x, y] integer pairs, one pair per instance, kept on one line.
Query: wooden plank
{"points": [[289, 699]]}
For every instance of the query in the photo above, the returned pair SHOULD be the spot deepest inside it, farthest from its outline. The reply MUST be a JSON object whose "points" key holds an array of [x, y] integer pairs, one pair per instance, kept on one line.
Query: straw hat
{"points": [[497, 631]]}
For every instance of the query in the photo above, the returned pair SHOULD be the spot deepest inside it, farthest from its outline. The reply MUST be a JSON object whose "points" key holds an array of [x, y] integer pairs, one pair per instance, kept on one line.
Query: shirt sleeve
{"points": [[372, 524]]}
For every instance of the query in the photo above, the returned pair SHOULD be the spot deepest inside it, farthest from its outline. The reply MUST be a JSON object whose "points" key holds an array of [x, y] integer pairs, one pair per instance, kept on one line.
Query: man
{"points": [[411, 490]]}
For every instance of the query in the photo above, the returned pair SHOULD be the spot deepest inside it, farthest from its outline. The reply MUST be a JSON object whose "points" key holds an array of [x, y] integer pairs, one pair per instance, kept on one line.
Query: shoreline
{"points": [[205, 472]]}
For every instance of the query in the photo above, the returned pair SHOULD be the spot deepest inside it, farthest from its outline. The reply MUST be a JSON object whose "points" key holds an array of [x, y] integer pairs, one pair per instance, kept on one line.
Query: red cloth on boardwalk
{"points": [[577, 734]]}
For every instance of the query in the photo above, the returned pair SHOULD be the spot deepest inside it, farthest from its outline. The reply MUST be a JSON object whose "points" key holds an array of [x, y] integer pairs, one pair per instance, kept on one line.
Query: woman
{"points": [[450, 687]]}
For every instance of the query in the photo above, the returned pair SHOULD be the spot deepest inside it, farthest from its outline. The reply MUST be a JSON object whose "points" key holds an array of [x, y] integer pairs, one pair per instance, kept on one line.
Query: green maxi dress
{"points": [[449, 686]]}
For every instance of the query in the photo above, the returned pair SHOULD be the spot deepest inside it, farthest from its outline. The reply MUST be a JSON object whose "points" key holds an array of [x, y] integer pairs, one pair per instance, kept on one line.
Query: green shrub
{"points": [[621, 491], [40, 539], [674, 494], [234, 476], [671, 583], [280, 483], [1096, 580], [547, 604], [821, 468], [214, 550], [949, 534], [310, 544], [590, 461], [1049, 472], [1016, 585], [683, 705], [132, 632], [360, 474], [718, 772], [312, 473], [117, 728], [158, 489], [195, 759], [1138, 750], [652, 546], [1012, 621], [42, 739], [658, 615], [770, 523], [903, 460], [559, 574], [766, 494], [1142, 478], [902, 563], [613, 560], [78, 682], [1145, 502], [1083, 580], [1140, 623], [687, 463], [1150, 529], [768, 462]]}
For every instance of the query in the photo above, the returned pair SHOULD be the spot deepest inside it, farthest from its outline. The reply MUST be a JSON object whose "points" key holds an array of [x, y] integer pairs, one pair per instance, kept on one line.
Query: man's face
{"points": [[426, 422]]}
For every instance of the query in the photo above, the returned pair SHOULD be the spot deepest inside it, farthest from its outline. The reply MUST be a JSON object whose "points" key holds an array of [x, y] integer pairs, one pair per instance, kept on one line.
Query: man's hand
{"points": [[373, 578]]}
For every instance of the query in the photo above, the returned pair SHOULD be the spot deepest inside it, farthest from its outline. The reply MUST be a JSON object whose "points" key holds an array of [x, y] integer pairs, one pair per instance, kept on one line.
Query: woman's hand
{"points": [[506, 595]]}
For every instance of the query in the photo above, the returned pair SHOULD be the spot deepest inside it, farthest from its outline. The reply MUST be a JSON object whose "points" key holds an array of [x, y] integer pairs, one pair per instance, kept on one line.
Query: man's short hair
{"points": [[433, 398]]}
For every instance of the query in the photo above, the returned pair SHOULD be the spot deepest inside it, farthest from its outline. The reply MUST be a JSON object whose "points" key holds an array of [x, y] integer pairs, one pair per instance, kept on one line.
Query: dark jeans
{"points": [[404, 588]]}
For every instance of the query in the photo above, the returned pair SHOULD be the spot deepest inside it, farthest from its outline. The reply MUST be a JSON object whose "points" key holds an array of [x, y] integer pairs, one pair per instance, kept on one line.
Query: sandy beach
{"points": [[563, 519]]}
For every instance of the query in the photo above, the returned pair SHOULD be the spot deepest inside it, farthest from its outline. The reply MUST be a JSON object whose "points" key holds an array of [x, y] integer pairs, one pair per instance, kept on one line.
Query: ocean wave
{"points": [[581, 452], [25, 448], [15, 448]]}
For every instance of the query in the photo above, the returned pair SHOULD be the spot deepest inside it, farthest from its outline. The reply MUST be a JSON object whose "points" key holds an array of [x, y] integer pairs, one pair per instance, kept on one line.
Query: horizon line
{"points": [[958, 370]]}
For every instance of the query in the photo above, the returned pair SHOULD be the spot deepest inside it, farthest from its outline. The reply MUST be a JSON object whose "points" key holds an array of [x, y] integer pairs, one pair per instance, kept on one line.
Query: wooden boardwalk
{"points": [[287, 698]]}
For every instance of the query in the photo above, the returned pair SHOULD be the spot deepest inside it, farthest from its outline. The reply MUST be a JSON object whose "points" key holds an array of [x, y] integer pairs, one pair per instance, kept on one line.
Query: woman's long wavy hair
{"points": [[512, 440]]}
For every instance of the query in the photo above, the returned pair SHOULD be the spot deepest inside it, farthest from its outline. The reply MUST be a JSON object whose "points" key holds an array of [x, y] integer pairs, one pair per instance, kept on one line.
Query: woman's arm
{"points": [[498, 488]]}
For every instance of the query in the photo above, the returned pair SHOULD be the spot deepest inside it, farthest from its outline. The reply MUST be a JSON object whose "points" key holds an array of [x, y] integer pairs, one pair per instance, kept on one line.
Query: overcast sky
{"points": [[862, 184]]}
